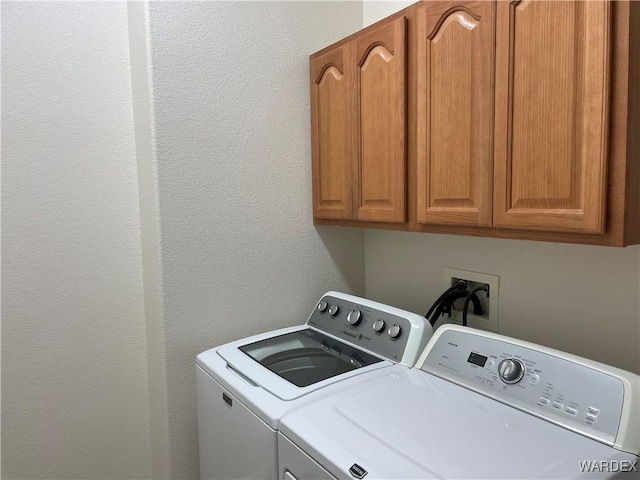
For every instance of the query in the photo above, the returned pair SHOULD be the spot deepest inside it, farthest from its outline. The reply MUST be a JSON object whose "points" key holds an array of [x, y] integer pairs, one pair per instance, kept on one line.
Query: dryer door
{"points": [[294, 464]]}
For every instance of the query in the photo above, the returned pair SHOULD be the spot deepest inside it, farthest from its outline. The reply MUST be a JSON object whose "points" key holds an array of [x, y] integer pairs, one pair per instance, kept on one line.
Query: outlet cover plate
{"points": [[486, 322]]}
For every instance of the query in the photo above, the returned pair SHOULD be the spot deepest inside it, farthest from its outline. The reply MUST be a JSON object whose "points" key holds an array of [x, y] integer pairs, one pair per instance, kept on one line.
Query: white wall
{"points": [[145, 139], [75, 400], [374, 10], [239, 252], [585, 300]]}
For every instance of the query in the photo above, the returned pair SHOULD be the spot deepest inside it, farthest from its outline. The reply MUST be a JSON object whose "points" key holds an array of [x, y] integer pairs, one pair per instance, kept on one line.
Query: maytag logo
{"points": [[608, 466], [357, 471], [452, 344]]}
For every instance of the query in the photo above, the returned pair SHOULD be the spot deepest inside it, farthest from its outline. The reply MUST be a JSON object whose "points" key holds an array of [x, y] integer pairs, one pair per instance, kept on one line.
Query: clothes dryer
{"points": [[477, 406]]}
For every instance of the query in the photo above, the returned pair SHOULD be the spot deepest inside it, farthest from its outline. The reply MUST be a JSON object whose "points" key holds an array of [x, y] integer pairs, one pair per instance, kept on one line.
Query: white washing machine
{"points": [[245, 387], [478, 405]]}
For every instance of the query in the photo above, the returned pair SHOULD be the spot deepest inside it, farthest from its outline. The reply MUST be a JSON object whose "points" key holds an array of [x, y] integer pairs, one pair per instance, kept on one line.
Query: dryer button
{"points": [[593, 411], [591, 418]]}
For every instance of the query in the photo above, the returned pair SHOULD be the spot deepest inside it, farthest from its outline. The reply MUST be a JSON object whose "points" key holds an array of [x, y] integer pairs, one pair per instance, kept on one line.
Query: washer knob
{"points": [[322, 306], [354, 317], [333, 310], [395, 331], [510, 371], [378, 326]]}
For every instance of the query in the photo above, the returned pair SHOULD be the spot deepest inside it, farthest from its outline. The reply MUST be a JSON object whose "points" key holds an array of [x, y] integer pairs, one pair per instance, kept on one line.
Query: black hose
{"points": [[459, 285], [452, 297], [470, 297], [446, 303]]}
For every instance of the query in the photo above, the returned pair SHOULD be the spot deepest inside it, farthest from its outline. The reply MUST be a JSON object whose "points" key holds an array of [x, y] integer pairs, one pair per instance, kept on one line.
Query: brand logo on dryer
{"points": [[357, 471]]}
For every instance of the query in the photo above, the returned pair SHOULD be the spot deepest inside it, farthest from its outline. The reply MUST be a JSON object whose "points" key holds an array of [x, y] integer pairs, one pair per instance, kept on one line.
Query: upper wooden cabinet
{"points": [[454, 119], [552, 105], [358, 101], [331, 133], [520, 119]]}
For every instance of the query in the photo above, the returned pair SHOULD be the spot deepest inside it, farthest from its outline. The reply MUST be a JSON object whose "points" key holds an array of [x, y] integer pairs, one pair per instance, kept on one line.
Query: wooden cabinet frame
{"points": [[621, 208]]}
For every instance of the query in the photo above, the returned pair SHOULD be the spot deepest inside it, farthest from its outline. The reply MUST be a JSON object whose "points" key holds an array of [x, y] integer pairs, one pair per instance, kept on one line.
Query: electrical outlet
{"points": [[488, 300]]}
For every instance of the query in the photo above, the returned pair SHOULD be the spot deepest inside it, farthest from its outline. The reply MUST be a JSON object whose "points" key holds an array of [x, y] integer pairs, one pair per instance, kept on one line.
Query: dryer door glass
{"points": [[306, 356]]}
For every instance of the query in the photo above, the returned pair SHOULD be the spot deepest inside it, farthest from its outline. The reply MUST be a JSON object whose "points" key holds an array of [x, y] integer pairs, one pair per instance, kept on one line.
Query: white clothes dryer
{"points": [[477, 406], [245, 387]]}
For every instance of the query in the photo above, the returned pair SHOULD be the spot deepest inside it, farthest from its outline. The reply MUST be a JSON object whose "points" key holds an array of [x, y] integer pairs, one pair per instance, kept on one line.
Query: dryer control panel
{"points": [[361, 324], [552, 386]]}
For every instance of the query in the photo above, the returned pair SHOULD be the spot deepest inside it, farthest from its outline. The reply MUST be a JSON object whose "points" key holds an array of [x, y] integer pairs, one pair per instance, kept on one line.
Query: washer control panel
{"points": [[371, 328], [557, 389]]}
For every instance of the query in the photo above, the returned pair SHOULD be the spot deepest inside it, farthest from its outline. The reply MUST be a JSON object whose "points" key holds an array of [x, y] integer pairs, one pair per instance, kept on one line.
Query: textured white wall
{"points": [[74, 369], [585, 300], [239, 252], [374, 10], [144, 128]]}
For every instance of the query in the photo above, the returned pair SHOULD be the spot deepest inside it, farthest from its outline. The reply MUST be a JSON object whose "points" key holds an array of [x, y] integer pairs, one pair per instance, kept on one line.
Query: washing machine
{"points": [[245, 387], [478, 405]]}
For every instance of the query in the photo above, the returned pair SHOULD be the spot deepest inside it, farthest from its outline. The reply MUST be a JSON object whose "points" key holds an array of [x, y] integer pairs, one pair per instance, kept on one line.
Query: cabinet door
{"points": [[332, 130], [454, 69], [552, 91], [380, 103]]}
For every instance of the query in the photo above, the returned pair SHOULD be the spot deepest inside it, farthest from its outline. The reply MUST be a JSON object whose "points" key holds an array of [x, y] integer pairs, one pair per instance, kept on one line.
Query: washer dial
{"points": [[354, 317], [510, 371], [395, 331], [378, 325]]}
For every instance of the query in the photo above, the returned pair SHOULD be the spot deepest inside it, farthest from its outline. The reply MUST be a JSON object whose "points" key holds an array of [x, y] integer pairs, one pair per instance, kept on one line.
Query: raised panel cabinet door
{"points": [[332, 120], [380, 103], [552, 99], [454, 119]]}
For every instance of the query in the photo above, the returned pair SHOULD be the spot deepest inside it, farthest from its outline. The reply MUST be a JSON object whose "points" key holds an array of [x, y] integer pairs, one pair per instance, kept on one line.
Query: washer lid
{"points": [[411, 424], [294, 362], [306, 357]]}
